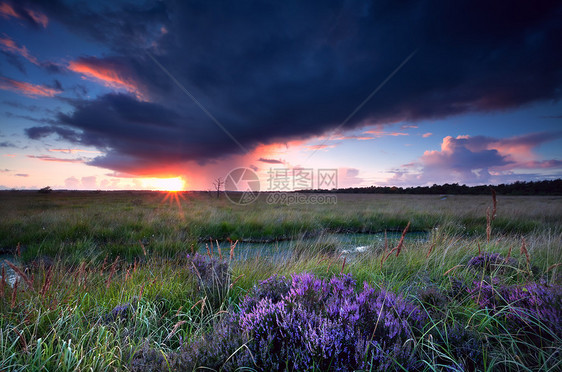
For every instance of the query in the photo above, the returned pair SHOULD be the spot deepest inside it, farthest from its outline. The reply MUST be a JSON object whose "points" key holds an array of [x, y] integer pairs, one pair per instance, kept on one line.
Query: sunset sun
{"points": [[165, 184]]}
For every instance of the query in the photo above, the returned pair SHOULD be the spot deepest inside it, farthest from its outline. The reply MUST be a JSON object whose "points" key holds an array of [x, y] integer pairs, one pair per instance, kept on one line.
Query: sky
{"points": [[172, 95]]}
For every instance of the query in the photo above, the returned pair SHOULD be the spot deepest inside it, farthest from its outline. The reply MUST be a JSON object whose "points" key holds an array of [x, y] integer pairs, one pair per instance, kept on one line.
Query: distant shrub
{"points": [[45, 190]]}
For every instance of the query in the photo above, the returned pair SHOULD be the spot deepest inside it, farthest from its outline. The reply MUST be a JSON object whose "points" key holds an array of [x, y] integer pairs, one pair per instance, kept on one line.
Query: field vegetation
{"points": [[117, 281]]}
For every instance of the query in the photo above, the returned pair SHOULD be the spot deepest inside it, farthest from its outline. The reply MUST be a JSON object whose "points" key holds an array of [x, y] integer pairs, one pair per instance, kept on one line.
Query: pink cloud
{"points": [[7, 11], [477, 159], [28, 89], [380, 133], [38, 17], [120, 175], [428, 134], [349, 177], [74, 151], [545, 164], [51, 158], [409, 165], [72, 183], [10, 46]]}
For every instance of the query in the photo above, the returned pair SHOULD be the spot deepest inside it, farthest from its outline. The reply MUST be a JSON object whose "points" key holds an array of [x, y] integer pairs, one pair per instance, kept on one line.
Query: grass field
{"points": [[109, 281]]}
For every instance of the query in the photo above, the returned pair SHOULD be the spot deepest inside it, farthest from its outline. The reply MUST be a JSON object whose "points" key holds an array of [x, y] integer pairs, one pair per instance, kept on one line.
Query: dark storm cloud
{"points": [[271, 71], [47, 130]]}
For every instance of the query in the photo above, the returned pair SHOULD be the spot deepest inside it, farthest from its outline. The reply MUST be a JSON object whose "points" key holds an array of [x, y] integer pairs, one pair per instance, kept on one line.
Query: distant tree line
{"points": [[553, 187]]}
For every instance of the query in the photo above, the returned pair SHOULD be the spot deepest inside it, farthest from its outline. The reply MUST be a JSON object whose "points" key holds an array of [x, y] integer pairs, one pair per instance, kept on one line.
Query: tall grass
{"points": [[94, 304]]}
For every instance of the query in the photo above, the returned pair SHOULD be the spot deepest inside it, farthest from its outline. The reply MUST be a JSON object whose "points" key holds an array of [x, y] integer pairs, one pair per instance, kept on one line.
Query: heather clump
{"points": [[120, 313], [432, 298], [466, 345], [532, 310], [274, 288], [308, 323], [486, 261], [211, 271], [455, 347], [329, 325], [222, 349]]}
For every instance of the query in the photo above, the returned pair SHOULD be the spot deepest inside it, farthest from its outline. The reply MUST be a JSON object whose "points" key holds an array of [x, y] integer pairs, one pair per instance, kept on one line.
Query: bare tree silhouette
{"points": [[217, 184]]}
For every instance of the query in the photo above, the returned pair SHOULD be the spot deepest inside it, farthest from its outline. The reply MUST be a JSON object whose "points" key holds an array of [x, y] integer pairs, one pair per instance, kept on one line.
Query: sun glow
{"points": [[165, 184]]}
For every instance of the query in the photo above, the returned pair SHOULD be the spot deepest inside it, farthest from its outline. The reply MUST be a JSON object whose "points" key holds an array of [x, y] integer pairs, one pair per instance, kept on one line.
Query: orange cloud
{"points": [[51, 158], [10, 46], [428, 134], [28, 89], [106, 74], [7, 11]]}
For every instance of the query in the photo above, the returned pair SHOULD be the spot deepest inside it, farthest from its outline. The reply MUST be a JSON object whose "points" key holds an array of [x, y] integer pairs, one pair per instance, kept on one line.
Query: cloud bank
{"points": [[277, 71]]}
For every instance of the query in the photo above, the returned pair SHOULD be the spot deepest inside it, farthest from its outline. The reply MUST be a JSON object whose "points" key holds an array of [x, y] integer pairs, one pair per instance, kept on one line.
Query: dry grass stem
{"points": [[14, 294], [235, 280], [20, 272], [143, 248], [430, 250], [451, 269], [525, 251], [3, 282], [219, 249]]}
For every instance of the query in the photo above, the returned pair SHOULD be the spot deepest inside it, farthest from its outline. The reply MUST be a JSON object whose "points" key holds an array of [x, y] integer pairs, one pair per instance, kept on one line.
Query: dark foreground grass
{"points": [[454, 302]]}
